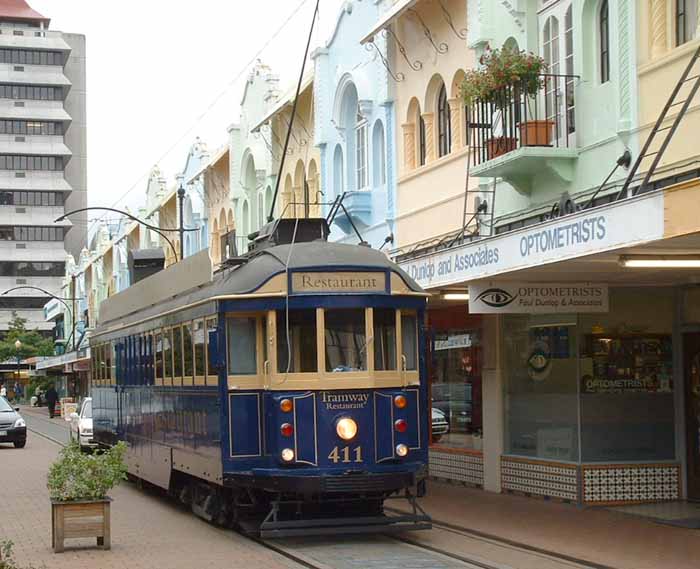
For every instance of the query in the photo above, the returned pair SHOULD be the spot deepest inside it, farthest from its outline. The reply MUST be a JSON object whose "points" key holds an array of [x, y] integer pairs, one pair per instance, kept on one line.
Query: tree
{"points": [[33, 343]]}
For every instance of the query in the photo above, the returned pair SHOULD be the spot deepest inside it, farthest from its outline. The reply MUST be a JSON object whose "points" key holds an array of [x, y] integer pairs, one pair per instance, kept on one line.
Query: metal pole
{"points": [[181, 228], [73, 313]]}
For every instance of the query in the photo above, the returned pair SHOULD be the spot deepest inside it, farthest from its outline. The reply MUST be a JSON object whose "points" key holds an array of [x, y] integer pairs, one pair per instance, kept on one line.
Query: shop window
{"points": [[541, 367], [345, 340], [384, 339], [241, 334], [626, 386], [456, 388], [409, 341], [296, 341]]}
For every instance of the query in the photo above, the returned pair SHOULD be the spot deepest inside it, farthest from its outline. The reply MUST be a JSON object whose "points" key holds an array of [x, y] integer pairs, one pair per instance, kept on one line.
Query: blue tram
{"points": [[284, 393]]}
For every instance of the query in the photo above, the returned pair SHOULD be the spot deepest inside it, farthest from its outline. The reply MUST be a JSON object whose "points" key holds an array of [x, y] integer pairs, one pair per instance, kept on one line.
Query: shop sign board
{"points": [[537, 298], [626, 223], [453, 341]]}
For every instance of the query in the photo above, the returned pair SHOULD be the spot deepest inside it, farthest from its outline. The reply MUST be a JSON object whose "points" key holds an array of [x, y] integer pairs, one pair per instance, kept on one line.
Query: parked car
{"points": [[81, 425], [13, 429], [440, 425]]}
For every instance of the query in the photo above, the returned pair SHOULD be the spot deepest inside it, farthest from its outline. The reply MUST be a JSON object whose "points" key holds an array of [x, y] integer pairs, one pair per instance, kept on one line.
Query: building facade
{"points": [[42, 158], [355, 132]]}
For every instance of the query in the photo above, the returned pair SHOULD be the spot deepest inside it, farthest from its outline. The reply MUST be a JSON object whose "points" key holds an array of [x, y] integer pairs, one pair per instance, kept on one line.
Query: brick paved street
{"points": [[147, 531]]}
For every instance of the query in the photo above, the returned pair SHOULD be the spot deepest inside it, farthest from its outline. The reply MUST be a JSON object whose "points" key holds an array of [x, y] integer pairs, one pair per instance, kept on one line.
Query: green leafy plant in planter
{"points": [[7, 559], [505, 75], [78, 485]]}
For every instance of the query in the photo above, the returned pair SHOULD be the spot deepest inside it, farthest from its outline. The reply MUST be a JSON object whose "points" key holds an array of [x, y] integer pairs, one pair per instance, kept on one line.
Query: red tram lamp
{"points": [[287, 429], [400, 402], [401, 425]]}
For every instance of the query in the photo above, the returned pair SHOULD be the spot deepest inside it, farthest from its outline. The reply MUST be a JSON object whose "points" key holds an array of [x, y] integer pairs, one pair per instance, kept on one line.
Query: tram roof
{"points": [[159, 294]]}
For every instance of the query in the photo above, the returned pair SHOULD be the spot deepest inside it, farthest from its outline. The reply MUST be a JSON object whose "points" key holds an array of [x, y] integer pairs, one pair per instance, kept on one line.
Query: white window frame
{"points": [[361, 153]]}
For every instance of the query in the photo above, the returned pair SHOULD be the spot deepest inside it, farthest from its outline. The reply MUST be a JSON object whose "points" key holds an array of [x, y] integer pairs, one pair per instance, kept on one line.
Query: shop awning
{"points": [[64, 359], [586, 246], [396, 10]]}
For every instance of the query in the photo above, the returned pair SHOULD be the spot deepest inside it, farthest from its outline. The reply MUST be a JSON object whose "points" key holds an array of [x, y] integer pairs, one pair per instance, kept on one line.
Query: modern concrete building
{"points": [[42, 158]]}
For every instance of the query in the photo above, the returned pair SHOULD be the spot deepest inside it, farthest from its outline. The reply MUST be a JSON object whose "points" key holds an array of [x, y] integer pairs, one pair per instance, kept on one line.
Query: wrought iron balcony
{"points": [[517, 135]]}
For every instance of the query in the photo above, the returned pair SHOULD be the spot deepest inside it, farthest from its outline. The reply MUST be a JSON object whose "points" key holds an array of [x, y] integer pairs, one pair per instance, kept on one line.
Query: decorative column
{"points": [[409, 146], [658, 20], [430, 142], [456, 123]]}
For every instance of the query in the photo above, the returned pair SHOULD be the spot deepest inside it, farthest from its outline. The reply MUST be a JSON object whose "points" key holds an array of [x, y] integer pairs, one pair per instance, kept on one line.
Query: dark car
{"points": [[13, 429]]}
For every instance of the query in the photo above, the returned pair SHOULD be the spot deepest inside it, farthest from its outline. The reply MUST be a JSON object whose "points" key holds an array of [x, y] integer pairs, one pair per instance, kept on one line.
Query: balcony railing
{"points": [[513, 118]]}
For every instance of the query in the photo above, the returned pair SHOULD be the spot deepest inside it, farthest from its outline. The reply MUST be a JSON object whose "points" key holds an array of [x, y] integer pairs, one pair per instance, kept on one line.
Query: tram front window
{"points": [[241, 335], [384, 339], [346, 340], [299, 332]]}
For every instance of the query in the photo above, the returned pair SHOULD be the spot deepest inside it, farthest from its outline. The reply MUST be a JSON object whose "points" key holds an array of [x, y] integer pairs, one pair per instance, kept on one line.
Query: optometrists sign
{"points": [[622, 224], [537, 298]]}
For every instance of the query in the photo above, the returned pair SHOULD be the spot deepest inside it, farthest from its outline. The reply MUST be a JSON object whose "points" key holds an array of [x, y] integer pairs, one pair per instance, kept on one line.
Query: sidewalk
{"points": [[148, 531], [596, 535]]}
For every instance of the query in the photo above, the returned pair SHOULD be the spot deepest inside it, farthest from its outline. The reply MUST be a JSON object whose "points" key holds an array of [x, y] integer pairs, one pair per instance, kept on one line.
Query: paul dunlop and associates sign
{"points": [[537, 298]]}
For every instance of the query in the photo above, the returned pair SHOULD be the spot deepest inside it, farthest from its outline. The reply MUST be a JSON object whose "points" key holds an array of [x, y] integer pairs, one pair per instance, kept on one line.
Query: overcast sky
{"points": [[155, 66]]}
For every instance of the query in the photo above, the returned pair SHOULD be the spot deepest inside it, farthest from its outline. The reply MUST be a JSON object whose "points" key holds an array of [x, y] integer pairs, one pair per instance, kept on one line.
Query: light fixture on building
{"points": [[455, 296], [660, 261]]}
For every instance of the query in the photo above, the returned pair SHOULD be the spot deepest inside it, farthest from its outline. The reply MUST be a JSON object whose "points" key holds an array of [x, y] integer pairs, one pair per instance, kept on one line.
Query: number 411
{"points": [[343, 455]]}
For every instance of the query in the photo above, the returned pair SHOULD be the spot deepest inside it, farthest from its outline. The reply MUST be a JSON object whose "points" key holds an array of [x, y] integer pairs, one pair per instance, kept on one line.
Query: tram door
{"points": [[691, 351]]}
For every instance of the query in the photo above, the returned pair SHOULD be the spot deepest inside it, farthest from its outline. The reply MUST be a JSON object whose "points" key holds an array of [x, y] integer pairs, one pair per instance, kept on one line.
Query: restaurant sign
{"points": [[537, 298], [341, 282]]}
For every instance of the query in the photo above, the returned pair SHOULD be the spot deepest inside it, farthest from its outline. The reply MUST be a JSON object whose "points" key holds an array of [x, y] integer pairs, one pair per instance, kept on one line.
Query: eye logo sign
{"points": [[496, 297]]}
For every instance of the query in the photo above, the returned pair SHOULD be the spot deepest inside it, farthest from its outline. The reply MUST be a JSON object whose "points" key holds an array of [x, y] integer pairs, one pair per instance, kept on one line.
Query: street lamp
{"points": [[18, 347], [158, 230]]}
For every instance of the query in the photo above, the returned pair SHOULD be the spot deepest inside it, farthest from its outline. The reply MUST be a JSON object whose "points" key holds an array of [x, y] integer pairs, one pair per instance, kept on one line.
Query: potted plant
{"points": [[508, 75], [78, 486]]}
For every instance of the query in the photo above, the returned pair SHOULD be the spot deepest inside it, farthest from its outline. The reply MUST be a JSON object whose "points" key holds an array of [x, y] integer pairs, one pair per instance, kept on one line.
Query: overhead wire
{"points": [[214, 102]]}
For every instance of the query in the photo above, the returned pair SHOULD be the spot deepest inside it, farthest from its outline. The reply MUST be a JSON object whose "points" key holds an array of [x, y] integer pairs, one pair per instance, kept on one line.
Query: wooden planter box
{"points": [[89, 518], [498, 146], [536, 133]]}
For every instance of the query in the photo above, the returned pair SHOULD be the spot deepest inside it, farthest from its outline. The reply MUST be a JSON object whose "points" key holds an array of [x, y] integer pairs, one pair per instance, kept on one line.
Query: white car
{"points": [[81, 426]]}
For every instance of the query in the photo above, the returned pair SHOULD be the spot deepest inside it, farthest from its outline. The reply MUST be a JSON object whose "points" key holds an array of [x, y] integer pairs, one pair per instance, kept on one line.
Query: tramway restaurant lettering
{"points": [[340, 401], [339, 282], [584, 233], [537, 298]]}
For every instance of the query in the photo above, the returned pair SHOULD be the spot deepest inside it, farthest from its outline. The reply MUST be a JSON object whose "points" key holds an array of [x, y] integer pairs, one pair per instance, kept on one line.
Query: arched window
{"points": [[378, 155], [686, 20], [444, 123], [338, 170], [604, 30], [421, 141], [361, 179]]}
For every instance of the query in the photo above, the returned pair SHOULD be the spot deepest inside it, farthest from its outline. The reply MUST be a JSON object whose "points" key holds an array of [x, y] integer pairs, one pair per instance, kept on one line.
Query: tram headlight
{"points": [[401, 450], [346, 428], [287, 455]]}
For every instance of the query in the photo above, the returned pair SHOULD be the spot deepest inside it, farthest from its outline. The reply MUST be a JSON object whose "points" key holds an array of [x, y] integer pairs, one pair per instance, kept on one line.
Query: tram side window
{"points": [[301, 335], [210, 333], [113, 361], [177, 355], [199, 371], [188, 370], [167, 358], [346, 341], [159, 358], [93, 364], [103, 363], [409, 340], [384, 339], [108, 361], [241, 334]]}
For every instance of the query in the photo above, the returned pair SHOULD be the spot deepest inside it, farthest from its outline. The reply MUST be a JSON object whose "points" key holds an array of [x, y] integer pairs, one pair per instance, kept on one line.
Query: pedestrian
{"points": [[3, 390], [51, 399], [18, 391]]}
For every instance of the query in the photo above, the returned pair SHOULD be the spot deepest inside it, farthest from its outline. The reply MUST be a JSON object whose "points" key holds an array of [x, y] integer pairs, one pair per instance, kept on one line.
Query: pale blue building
{"points": [[354, 114]]}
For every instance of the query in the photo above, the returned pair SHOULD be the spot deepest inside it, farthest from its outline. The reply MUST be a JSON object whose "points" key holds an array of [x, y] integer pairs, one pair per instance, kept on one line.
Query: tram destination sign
{"points": [[341, 281], [537, 298]]}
